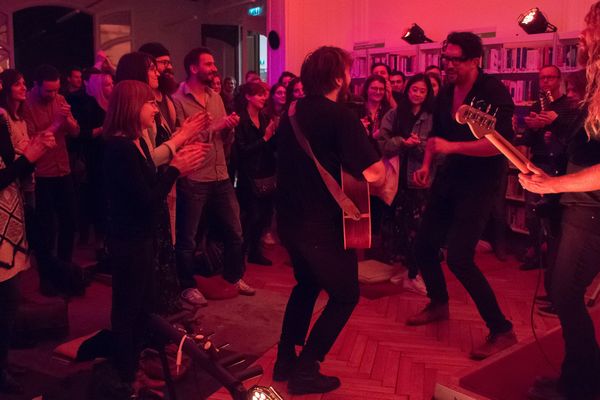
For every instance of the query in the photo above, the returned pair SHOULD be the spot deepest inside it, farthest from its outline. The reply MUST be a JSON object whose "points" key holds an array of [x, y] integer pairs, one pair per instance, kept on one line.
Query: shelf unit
{"points": [[516, 61]]}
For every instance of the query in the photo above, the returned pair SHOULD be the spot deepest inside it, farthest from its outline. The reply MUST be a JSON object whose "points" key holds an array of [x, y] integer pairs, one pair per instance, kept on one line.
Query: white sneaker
{"points": [[245, 289], [268, 239], [194, 297], [415, 285]]}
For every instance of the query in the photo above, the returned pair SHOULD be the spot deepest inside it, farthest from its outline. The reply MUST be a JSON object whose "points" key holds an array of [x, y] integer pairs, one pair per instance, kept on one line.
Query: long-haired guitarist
{"points": [[463, 190], [577, 260], [310, 220]]}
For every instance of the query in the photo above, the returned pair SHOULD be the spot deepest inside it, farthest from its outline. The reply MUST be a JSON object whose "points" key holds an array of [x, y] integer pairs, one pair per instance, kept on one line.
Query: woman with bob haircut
{"points": [[136, 193]]}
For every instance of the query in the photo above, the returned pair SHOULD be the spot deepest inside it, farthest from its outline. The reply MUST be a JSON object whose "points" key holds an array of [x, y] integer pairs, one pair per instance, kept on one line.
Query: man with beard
{"points": [[310, 221], [166, 81], [210, 184], [463, 190]]}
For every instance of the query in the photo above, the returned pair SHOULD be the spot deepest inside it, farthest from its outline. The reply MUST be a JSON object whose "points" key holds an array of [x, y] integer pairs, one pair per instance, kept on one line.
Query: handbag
{"points": [[263, 187], [387, 192]]}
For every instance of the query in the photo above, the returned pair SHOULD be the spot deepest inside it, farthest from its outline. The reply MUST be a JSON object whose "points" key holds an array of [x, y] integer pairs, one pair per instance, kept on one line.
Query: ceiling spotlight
{"points": [[263, 393], [415, 35], [534, 21]]}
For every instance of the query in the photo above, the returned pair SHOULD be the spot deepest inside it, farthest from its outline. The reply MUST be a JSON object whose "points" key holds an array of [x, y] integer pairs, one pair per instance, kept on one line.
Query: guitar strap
{"points": [[334, 188]]}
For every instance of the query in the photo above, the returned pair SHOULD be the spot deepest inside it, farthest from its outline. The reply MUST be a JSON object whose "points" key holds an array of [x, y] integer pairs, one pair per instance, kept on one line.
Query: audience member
{"points": [[210, 184], [256, 167], [404, 132], [47, 110], [136, 194], [286, 77], [17, 157]]}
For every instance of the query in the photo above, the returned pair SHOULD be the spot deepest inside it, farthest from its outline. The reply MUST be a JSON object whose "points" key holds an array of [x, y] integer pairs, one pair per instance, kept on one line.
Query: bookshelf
{"points": [[515, 61]]}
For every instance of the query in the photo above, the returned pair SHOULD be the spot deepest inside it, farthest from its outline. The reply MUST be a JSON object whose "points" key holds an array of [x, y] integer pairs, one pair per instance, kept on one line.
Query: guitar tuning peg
{"points": [[489, 107], [473, 101]]}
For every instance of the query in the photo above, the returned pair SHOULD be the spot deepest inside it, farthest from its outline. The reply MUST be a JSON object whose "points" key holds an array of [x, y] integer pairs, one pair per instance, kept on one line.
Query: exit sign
{"points": [[255, 11]]}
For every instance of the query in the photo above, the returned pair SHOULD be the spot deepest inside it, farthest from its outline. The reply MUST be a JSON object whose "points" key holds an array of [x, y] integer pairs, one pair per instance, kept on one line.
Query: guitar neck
{"points": [[511, 152]]}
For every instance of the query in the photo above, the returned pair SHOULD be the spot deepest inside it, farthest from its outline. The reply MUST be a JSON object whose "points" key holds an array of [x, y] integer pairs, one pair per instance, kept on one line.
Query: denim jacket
{"points": [[392, 144]]}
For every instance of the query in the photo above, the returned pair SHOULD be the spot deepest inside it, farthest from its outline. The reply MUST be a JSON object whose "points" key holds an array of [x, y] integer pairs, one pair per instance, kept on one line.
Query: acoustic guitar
{"points": [[357, 228], [482, 125]]}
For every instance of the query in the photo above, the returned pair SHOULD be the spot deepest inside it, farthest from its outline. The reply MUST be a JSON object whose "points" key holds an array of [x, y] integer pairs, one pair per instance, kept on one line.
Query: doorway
{"points": [[58, 36]]}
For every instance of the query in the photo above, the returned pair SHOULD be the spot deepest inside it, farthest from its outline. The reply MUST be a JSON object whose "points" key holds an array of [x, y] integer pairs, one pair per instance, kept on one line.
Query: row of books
{"points": [[523, 90], [566, 56], [521, 59], [405, 64]]}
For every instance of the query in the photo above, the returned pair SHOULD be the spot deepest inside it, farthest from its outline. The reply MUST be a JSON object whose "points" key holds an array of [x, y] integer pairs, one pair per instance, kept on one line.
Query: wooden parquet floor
{"points": [[378, 357]]}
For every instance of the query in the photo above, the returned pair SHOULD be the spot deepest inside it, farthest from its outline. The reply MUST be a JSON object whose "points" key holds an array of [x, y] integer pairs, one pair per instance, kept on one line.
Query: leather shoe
{"points": [[494, 343], [431, 313], [307, 379]]}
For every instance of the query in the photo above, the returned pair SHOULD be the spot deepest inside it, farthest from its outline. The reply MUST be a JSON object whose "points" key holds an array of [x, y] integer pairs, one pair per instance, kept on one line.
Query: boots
{"points": [[285, 363], [306, 378]]}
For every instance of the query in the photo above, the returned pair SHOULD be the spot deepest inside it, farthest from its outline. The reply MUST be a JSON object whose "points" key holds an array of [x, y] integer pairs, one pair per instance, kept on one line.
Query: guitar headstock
{"points": [[545, 99], [481, 122]]}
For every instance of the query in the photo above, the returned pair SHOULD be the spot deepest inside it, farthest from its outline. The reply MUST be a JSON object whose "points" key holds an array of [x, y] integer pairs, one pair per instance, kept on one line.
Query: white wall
{"points": [[312, 23]]}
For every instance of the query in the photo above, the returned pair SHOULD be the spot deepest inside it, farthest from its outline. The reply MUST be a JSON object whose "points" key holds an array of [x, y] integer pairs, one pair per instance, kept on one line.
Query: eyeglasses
{"points": [[164, 62], [549, 77], [376, 89], [454, 60]]}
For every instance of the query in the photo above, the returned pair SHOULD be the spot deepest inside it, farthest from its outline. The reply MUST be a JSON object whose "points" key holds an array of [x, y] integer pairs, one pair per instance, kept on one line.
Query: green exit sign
{"points": [[255, 11]]}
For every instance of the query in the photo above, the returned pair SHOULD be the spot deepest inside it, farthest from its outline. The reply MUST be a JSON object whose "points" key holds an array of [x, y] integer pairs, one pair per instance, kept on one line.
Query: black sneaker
{"points": [[8, 385], [307, 379], [283, 368]]}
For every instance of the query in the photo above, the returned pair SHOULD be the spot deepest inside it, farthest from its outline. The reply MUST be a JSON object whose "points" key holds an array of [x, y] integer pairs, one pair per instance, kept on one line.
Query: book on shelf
{"points": [[521, 90], [405, 64], [566, 56], [520, 59], [360, 67]]}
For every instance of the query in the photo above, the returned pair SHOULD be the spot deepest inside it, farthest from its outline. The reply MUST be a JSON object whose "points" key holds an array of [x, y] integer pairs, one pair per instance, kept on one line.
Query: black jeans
{"points": [[256, 215], [192, 197], [133, 299], [320, 263], [9, 299], [456, 213], [577, 264], [55, 222]]}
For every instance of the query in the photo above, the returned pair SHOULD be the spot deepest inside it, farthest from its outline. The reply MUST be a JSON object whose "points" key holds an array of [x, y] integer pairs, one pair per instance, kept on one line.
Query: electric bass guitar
{"points": [[483, 125]]}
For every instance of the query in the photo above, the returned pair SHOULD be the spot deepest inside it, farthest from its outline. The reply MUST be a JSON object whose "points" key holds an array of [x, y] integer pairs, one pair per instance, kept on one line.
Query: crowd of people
{"points": [[148, 167]]}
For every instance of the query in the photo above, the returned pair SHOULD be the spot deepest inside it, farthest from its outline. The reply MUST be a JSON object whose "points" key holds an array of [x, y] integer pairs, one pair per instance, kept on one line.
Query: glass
{"points": [[164, 62]]}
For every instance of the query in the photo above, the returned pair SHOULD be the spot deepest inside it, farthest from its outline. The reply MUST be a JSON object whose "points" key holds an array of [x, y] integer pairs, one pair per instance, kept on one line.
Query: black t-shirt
{"points": [[337, 138], [487, 90], [583, 153], [135, 191]]}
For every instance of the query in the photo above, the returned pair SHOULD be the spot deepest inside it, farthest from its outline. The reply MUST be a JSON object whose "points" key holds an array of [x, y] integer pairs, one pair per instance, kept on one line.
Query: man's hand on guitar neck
{"points": [[375, 174]]}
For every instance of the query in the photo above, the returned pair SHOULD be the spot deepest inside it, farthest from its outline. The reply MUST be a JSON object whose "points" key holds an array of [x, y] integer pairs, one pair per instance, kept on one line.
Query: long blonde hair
{"points": [[591, 38]]}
